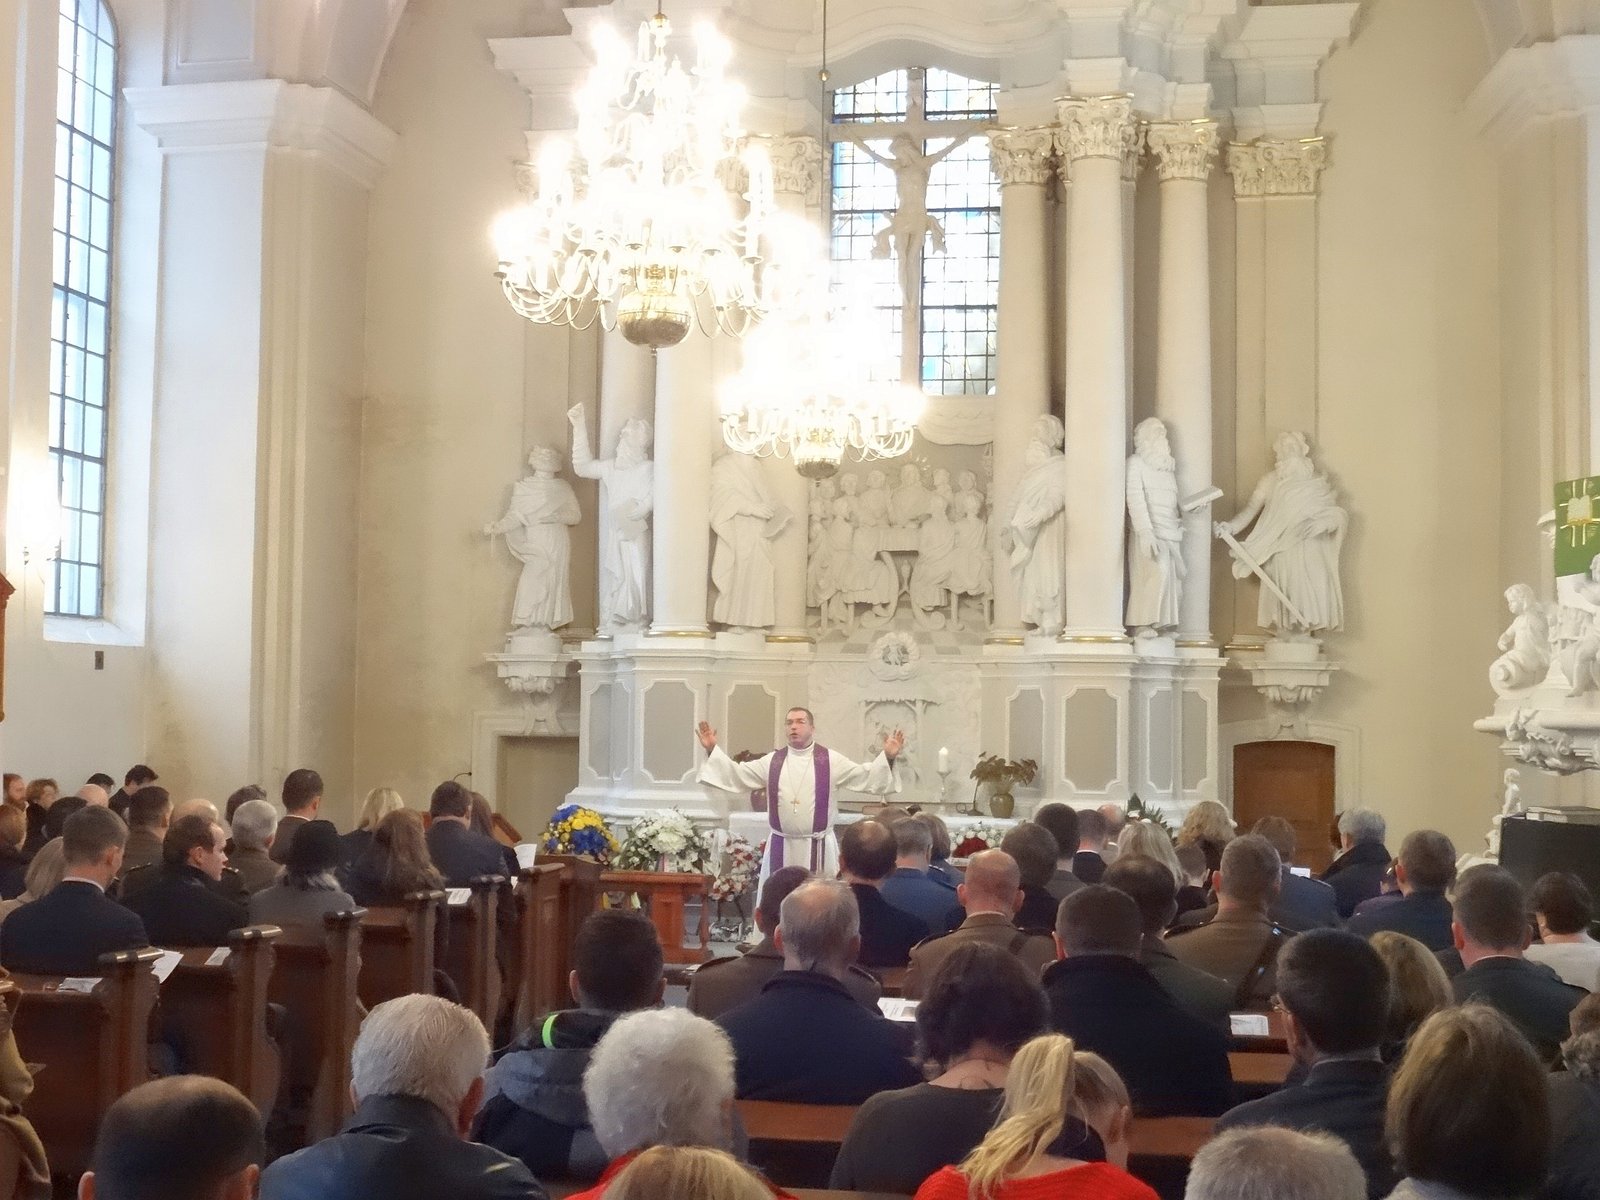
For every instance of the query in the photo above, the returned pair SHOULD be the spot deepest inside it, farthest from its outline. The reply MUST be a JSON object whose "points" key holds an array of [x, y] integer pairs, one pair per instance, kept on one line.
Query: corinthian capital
{"points": [[1097, 127], [796, 164], [1184, 149], [1021, 155], [1277, 167]]}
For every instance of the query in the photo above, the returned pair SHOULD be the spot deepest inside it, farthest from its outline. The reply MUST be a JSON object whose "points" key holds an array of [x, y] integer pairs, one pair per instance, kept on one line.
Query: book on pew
{"points": [[1244, 1024], [897, 1009]]}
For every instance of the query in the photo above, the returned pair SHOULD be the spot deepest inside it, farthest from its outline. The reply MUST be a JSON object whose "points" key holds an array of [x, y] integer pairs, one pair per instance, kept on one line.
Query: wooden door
{"points": [[1293, 780]]}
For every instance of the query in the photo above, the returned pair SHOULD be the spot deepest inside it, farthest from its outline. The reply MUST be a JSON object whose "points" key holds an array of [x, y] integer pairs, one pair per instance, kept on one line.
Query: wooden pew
{"points": [[220, 1013], [397, 949], [1260, 1070], [541, 984], [1275, 1042], [94, 1047], [666, 896], [580, 896], [314, 978], [472, 958]]}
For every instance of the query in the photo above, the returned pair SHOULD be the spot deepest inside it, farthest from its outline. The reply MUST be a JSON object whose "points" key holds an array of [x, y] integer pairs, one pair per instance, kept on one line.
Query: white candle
{"points": [[944, 760]]}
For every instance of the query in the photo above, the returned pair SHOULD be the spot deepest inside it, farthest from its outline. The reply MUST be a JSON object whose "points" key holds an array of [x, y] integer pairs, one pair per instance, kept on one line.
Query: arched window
{"points": [[910, 167], [81, 310]]}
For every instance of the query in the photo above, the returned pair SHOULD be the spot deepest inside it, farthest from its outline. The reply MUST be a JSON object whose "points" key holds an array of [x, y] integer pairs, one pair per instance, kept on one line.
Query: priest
{"points": [[802, 781]]}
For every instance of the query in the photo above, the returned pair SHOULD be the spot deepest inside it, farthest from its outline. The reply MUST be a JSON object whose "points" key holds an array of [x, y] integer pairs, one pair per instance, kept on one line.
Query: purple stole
{"points": [[819, 823]]}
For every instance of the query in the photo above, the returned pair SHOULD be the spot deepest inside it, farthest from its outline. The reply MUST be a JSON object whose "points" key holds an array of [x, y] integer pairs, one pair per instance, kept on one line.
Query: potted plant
{"points": [[1002, 774]]}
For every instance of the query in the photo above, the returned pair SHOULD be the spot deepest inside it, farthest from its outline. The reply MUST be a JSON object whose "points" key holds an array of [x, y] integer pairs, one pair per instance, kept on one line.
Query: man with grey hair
{"points": [[416, 1077], [254, 823], [805, 1038], [912, 888], [1357, 874], [1268, 1163], [1239, 945]]}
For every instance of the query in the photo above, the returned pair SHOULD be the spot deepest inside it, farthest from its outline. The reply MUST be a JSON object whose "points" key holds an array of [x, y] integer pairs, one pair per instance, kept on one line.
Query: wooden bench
{"points": [[665, 896], [220, 1013], [580, 896], [892, 978], [397, 949], [314, 977], [472, 958], [1275, 1041], [1260, 1070], [541, 985], [95, 1046]]}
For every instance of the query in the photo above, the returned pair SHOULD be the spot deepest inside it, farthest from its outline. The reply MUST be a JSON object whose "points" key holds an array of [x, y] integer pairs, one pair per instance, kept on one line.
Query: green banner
{"points": [[1577, 525]]}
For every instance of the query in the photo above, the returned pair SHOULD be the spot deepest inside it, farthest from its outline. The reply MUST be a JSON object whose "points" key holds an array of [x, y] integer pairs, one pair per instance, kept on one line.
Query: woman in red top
{"points": [[1061, 1108]]}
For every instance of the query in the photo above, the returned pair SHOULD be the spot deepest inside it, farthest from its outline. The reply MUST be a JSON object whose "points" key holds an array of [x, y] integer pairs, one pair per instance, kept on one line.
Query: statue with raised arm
{"points": [[1155, 553], [627, 491], [1035, 531], [535, 527]]}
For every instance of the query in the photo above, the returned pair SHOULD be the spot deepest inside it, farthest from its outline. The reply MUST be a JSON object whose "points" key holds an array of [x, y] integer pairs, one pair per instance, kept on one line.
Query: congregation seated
{"points": [[460, 853], [1563, 908], [1418, 988], [55, 821], [1333, 990], [805, 1038], [308, 889], [1034, 850], [13, 862], [1089, 863], [1303, 903], [1357, 873], [723, 984], [1491, 932], [254, 823], [939, 865], [990, 896], [181, 906], [1575, 1110], [65, 931], [1268, 1163], [1060, 821], [186, 1137], [866, 860], [1424, 871], [1468, 1115], [380, 802], [911, 888], [1154, 892], [241, 796], [1209, 826], [302, 798], [1194, 878], [1116, 818], [149, 814], [533, 1095], [138, 776], [396, 864], [38, 797], [1239, 943], [1146, 839], [416, 1074], [1062, 1134], [981, 1006], [688, 1173], [44, 872]]}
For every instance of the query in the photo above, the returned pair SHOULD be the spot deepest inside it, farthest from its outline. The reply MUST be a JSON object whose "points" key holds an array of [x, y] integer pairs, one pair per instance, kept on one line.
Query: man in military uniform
{"points": [[991, 896], [1240, 944], [723, 984]]}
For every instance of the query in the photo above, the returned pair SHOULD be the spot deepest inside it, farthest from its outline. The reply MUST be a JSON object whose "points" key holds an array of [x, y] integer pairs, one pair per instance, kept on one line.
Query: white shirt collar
{"points": [[805, 751]]}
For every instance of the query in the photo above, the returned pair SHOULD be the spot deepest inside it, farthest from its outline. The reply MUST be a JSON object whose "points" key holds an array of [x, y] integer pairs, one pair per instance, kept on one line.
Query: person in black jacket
{"points": [[1334, 992], [182, 906], [13, 862], [1036, 852], [1106, 1001], [1357, 874], [147, 1143], [65, 931], [460, 853], [1575, 1110], [1425, 869], [866, 859]]}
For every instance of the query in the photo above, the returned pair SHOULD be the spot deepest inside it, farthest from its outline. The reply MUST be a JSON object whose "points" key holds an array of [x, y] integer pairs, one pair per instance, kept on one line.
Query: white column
{"points": [[627, 393], [1185, 154], [1021, 161], [1132, 163], [681, 533], [1096, 133]]}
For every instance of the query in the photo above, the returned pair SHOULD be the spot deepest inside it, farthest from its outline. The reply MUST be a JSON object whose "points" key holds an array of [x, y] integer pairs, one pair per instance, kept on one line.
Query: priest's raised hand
{"points": [[707, 736], [892, 745]]}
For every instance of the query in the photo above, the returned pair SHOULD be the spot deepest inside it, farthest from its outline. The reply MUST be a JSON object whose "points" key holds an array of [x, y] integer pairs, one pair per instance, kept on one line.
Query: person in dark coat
{"points": [[302, 800], [1154, 891], [1575, 1110], [866, 860], [138, 776], [417, 1078], [182, 907], [805, 1038], [1425, 870], [912, 887], [1060, 821], [1036, 852], [13, 862], [460, 853], [150, 1143], [1334, 991], [1303, 903], [66, 930], [1106, 1001], [1089, 863], [1357, 874]]}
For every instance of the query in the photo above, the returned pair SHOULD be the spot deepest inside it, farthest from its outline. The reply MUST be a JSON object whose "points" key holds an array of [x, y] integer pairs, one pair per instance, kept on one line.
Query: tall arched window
{"points": [[81, 309], [910, 159]]}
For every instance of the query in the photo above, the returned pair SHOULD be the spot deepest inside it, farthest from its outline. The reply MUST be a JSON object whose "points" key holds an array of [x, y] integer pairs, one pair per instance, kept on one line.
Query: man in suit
{"points": [[723, 984], [148, 815], [1239, 944], [1303, 903], [990, 895], [302, 798], [911, 888], [1060, 821], [138, 776], [805, 1038], [253, 823], [1089, 864], [866, 859], [181, 907], [1491, 932], [66, 930], [1154, 891], [1036, 854], [1105, 1000], [1357, 874], [459, 851], [1425, 870], [147, 1145], [1334, 992], [416, 1074]]}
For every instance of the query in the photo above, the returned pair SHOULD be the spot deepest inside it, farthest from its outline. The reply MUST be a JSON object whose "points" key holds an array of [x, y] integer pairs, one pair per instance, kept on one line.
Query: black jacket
{"points": [[1357, 874], [1421, 915], [805, 1038], [461, 854], [1343, 1097], [1575, 1159], [13, 872], [1088, 866], [352, 846], [1173, 1063], [1038, 911], [1533, 999], [399, 1148], [887, 934], [182, 908], [65, 931], [1304, 904]]}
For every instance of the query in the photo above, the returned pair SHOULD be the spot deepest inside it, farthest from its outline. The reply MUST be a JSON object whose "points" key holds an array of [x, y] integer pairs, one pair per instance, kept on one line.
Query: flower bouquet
{"points": [[578, 831], [664, 840], [741, 867], [980, 835]]}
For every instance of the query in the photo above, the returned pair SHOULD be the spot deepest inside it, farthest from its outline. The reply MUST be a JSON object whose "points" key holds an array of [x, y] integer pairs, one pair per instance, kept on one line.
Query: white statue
{"points": [[1294, 547], [941, 485], [1511, 800], [1155, 555], [535, 526], [874, 507], [873, 581], [910, 501], [936, 545], [628, 493], [1034, 534], [1525, 643], [818, 548], [967, 485], [971, 568], [1581, 629], [745, 520]]}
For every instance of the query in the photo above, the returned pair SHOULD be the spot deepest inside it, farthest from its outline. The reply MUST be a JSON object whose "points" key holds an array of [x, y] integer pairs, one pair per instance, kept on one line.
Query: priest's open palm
{"points": [[893, 744], [707, 736]]}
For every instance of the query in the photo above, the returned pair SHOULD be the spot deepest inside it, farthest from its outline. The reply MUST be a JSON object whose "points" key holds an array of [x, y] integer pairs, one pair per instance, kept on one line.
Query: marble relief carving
{"points": [[744, 520]]}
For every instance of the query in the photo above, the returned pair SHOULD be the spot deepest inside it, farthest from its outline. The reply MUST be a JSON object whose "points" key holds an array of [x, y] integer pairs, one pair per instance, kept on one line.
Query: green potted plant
{"points": [[1002, 774]]}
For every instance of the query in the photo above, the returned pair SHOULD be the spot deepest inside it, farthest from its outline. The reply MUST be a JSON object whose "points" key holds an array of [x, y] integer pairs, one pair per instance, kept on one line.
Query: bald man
{"points": [[991, 896], [95, 794], [147, 1148]]}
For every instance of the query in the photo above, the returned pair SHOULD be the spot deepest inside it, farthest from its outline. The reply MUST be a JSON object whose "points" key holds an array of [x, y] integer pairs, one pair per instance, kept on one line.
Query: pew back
{"points": [[220, 1012], [314, 979], [397, 948]]}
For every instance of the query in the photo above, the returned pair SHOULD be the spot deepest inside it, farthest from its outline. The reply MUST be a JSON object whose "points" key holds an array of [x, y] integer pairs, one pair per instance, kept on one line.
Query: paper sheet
{"points": [[217, 957], [527, 854], [897, 1009], [82, 983], [166, 964], [456, 897], [1248, 1024]]}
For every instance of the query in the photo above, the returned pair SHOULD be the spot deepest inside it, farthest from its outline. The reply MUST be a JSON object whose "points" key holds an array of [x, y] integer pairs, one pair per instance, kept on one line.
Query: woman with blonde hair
{"points": [[688, 1173], [1418, 987], [1062, 1134], [1210, 826], [44, 872], [1149, 839], [380, 802]]}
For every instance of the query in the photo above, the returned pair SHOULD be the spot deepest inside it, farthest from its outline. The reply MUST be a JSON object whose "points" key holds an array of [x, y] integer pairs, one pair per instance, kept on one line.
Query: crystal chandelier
{"points": [[633, 225]]}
